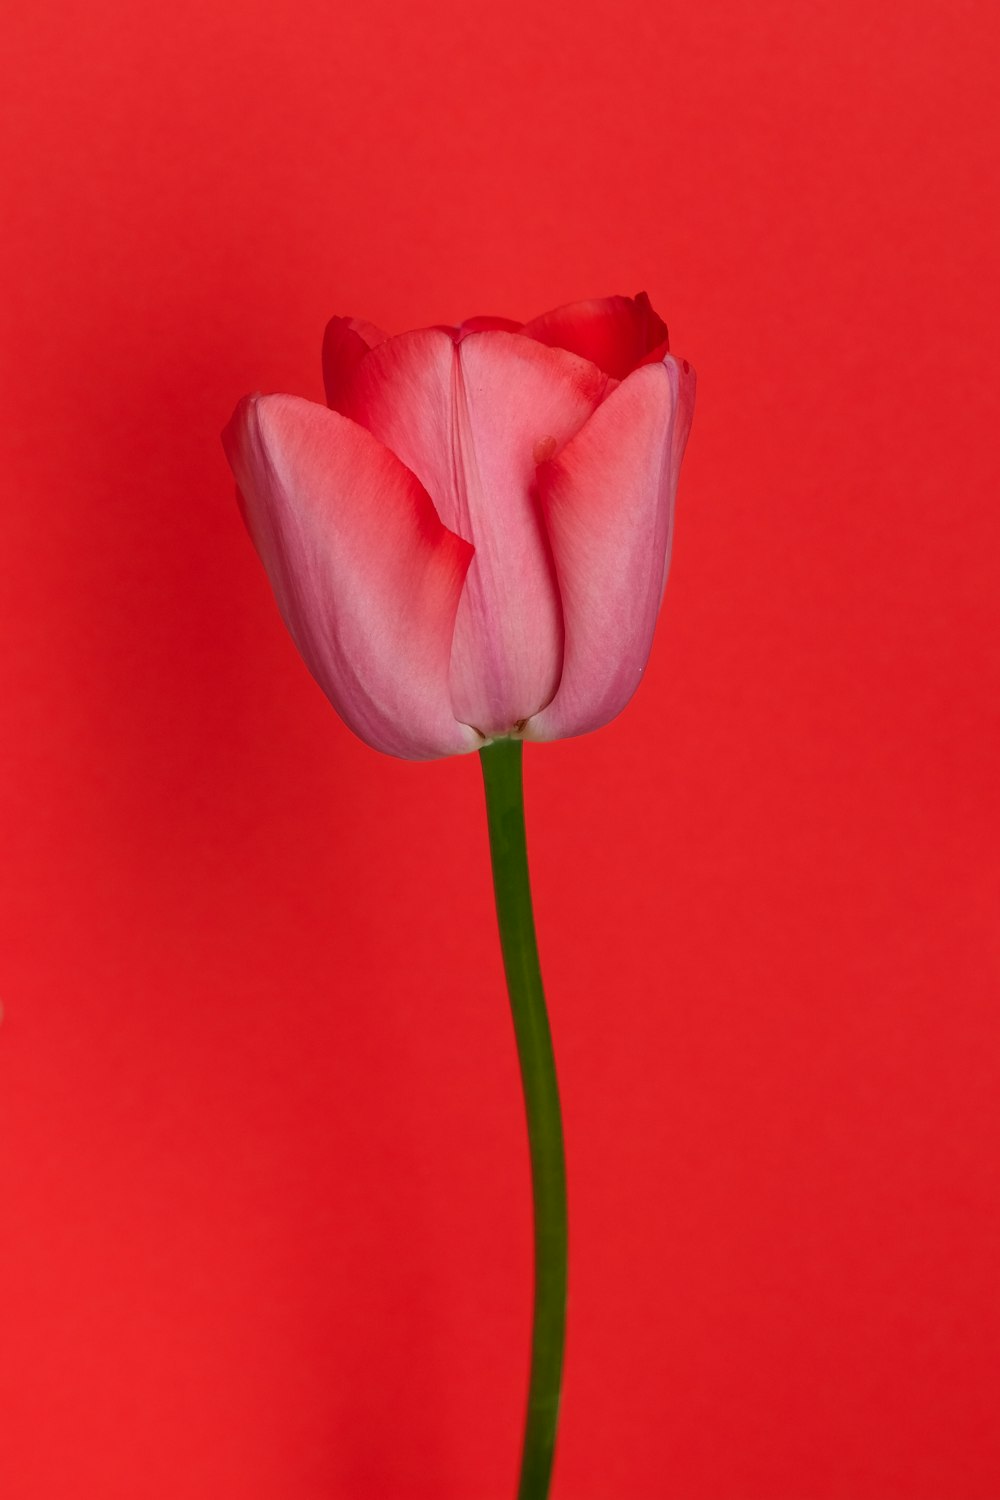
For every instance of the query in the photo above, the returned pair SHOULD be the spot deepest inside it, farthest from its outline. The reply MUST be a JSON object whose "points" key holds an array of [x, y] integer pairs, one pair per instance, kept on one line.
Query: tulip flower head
{"points": [[471, 541]]}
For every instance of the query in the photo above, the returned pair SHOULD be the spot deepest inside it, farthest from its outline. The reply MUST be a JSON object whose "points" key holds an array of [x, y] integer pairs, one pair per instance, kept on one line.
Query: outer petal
{"points": [[608, 504], [366, 577], [471, 419], [616, 333]]}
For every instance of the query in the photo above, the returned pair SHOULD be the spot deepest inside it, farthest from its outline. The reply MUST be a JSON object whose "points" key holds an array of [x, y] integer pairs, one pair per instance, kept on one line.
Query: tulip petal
{"points": [[616, 333], [366, 577], [346, 341], [486, 321], [471, 419], [608, 503]]}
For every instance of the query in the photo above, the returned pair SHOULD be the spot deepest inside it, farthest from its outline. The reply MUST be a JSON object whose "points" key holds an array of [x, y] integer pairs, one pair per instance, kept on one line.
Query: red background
{"points": [[264, 1180]]}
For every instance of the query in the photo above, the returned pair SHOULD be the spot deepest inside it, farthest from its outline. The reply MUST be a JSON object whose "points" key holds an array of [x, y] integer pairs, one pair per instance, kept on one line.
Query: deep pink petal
{"points": [[476, 325], [366, 577], [345, 344], [484, 322], [618, 334], [472, 419], [608, 502]]}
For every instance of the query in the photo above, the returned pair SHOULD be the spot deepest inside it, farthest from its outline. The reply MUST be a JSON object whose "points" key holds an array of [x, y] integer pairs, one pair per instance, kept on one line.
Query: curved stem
{"points": [[501, 763]]}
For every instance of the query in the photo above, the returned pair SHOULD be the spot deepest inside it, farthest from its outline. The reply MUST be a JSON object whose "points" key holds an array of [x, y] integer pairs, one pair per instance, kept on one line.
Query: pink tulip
{"points": [[472, 542]]}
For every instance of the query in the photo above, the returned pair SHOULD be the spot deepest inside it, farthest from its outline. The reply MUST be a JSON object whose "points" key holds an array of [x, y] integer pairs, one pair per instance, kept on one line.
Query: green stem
{"points": [[505, 816]]}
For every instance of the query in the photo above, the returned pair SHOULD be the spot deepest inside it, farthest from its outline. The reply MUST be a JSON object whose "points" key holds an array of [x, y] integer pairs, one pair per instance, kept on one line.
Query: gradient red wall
{"points": [[264, 1180]]}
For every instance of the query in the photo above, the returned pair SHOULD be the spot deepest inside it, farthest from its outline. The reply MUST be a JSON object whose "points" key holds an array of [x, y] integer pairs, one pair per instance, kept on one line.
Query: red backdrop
{"points": [[264, 1177]]}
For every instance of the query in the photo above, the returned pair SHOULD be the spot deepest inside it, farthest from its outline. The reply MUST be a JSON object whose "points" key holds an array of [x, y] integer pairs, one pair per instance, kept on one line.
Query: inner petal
{"points": [[618, 333]]}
